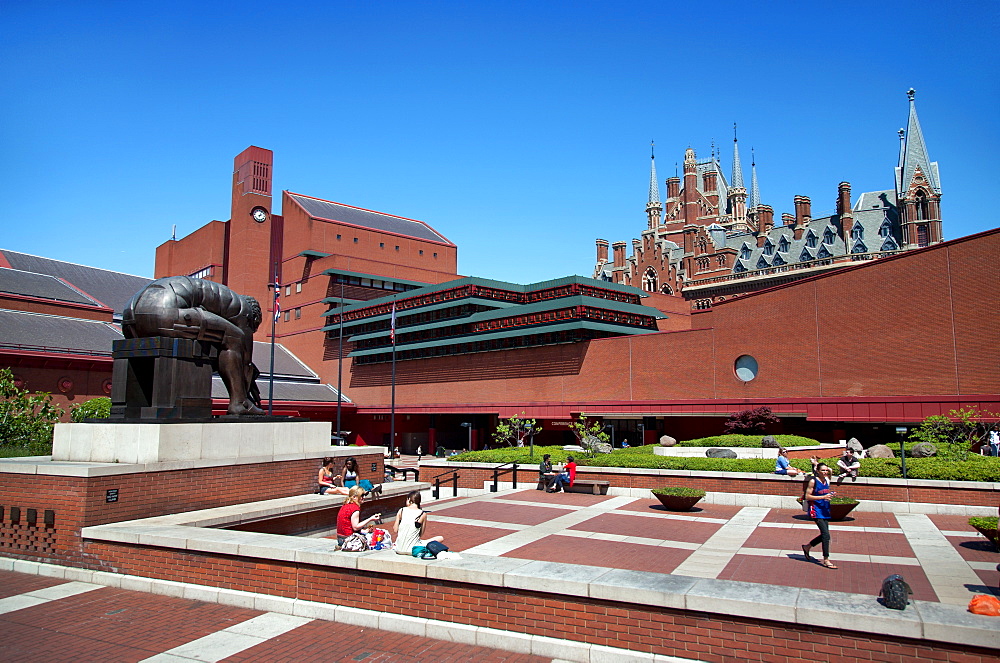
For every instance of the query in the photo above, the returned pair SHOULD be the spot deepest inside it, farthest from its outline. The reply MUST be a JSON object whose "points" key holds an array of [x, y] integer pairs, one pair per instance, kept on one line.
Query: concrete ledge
{"points": [[849, 612]]}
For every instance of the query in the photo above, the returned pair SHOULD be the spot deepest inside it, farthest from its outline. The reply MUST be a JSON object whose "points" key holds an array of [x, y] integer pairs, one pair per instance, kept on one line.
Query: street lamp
{"points": [[612, 429], [466, 424], [531, 440], [642, 434], [901, 434]]}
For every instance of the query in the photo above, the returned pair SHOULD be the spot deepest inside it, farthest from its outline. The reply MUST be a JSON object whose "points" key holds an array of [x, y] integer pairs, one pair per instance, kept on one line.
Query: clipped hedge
{"points": [[977, 468], [750, 441], [679, 491]]}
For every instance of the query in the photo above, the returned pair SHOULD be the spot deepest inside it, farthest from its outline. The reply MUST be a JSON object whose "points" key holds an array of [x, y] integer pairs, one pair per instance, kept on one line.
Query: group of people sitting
{"points": [[554, 481], [848, 464], [341, 484]]}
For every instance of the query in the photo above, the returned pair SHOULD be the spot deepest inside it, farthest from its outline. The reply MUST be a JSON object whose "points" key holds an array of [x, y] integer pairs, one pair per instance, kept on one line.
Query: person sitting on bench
{"points": [[564, 478]]}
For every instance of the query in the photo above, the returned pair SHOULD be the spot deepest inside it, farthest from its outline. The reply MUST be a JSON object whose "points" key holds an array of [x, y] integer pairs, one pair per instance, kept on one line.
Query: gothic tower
{"points": [[918, 186], [737, 192], [654, 209]]}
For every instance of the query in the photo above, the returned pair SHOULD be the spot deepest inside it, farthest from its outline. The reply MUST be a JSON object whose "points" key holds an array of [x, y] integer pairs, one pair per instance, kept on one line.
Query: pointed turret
{"points": [[653, 207], [918, 186], [737, 192], [754, 189], [737, 167]]}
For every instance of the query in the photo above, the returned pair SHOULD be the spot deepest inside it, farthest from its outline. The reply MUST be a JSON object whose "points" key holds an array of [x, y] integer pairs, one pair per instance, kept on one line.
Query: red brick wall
{"points": [[205, 246], [80, 502], [643, 628]]}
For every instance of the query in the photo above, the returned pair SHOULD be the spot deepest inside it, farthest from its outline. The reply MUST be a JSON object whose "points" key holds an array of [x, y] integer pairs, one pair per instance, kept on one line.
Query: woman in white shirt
{"points": [[409, 525]]}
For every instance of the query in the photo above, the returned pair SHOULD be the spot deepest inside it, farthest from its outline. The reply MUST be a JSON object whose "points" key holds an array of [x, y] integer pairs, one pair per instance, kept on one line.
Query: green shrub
{"points": [[679, 491], [95, 408], [843, 500], [988, 522], [751, 441]]}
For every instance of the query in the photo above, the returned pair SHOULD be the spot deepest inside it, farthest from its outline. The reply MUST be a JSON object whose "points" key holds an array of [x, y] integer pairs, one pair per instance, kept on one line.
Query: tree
{"points": [[751, 421], [95, 408], [954, 435], [584, 428], [512, 432], [26, 419]]}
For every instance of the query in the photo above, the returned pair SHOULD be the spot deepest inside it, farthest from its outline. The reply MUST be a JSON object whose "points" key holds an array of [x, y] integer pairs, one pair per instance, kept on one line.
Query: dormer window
{"points": [[889, 245], [783, 245], [859, 247], [823, 253], [739, 268], [778, 260], [857, 232], [762, 263], [811, 240], [805, 256], [885, 230], [745, 252], [768, 248], [828, 236]]}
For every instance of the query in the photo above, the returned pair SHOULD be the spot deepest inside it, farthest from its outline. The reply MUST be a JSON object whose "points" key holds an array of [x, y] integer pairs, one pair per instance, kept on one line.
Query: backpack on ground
{"points": [[421, 552], [355, 543], [436, 547], [895, 592]]}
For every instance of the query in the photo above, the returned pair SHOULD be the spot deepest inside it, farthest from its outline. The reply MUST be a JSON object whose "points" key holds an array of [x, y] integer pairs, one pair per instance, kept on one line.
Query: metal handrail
{"points": [[403, 470], [496, 475], [437, 483]]}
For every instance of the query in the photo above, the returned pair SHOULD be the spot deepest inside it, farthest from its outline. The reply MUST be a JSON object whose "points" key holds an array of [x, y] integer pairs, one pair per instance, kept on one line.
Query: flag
{"points": [[392, 325], [277, 301]]}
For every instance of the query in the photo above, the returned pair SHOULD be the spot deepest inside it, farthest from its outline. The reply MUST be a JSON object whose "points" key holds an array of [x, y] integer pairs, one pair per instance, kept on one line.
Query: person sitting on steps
{"points": [[564, 478]]}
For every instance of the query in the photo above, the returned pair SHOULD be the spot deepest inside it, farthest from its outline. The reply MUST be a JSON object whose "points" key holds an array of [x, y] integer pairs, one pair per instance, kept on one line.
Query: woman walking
{"points": [[818, 496]]}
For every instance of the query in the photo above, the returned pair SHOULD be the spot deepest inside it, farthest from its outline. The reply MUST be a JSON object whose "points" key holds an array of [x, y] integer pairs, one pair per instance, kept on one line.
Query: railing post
{"points": [[454, 479], [514, 471], [437, 488], [493, 488]]}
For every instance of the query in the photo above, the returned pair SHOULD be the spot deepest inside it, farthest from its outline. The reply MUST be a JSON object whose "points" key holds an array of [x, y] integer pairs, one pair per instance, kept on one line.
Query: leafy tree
{"points": [[512, 432], [26, 419], [751, 421], [583, 428], [954, 434], [95, 408]]}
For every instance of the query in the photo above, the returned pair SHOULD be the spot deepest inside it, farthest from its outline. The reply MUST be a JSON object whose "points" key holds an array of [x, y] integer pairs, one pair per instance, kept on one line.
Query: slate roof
{"points": [[285, 390], [55, 333], [112, 289], [324, 209], [285, 363], [42, 286]]}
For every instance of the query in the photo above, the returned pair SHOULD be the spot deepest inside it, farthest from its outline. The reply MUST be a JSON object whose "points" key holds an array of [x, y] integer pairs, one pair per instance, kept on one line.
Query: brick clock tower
{"points": [[252, 230]]}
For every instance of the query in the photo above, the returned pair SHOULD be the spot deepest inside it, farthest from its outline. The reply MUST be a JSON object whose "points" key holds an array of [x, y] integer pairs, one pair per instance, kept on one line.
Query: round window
{"points": [[746, 368]]}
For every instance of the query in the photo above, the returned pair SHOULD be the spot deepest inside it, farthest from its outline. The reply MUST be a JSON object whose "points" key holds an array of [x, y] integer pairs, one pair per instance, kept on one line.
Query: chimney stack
{"points": [[673, 187], [765, 217], [618, 248], [844, 211], [602, 250], [803, 210], [710, 182]]}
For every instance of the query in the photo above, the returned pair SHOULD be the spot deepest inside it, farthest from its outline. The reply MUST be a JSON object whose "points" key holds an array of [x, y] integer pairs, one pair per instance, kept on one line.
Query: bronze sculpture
{"points": [[183, 307]]}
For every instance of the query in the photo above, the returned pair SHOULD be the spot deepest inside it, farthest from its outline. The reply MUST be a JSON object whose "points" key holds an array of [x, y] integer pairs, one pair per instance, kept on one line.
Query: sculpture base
{"points": [[125, 442]]}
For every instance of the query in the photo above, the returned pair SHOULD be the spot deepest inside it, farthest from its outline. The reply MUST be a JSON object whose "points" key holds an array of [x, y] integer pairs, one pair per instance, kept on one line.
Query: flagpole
{"points": [[392, 416], [340, 361], [274, 321]]}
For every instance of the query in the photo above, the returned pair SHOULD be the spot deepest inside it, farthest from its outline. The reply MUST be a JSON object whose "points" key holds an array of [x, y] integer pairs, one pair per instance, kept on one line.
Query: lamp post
{"points": [[612, 429], [642, 434], [901, 434], [531, 440], [467, 424]]}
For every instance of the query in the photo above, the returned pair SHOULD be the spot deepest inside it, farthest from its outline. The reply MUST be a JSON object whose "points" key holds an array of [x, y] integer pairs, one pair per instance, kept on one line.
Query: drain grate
{"points": [[362, 656]]}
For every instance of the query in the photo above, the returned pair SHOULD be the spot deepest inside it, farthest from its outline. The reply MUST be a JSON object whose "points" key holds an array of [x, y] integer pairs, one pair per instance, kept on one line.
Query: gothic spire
{"points": [[914, 152], [754, 190], [737, 168], [654, 184]]}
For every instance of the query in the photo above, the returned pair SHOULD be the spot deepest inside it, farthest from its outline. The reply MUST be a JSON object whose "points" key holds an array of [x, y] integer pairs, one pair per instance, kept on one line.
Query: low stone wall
{"points": [[76, 495], [971, 493]]}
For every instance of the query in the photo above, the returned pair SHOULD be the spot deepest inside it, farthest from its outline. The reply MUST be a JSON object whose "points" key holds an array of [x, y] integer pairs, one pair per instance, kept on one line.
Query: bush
{"points": [[977, 468], [26, 419], [751, 441], [679, 491], [751, 421], [843, 500], [95, 408], [987, 522]]}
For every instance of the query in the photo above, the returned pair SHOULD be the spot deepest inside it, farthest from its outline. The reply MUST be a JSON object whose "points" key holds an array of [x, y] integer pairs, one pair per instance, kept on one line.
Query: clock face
{"points": [[259, 214]]}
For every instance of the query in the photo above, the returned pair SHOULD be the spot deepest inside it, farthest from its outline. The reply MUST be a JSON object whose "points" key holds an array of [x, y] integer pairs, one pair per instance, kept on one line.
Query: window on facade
{"points": [[745, 368], [923, 211], [823, 253], [355, 240], [889, 245], [828, 236], [298, 313], [762, 263], [922, 236], [811, 240], [885, 229], [721, 260], [859, 247], [288, 290], [702, 244], [778, 260], [298, 287], [649, 280], [738, 267], [745, 252], [768, 248], [857, 232], [286, 316], [805, 256], [202, 273], [421, 252], [666, 289], [783, 245]]}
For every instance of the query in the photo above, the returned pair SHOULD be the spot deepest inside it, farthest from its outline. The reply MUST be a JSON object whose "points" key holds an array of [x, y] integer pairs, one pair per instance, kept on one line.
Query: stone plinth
{"points": [[157, 443]]}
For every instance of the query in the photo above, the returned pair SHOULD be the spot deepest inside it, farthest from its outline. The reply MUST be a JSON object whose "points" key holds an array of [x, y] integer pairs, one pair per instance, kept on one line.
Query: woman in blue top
{"points": [[818, 496], [782, 466]]}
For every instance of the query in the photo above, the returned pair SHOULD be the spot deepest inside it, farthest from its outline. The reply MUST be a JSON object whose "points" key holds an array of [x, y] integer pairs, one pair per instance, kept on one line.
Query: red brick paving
{"points": [[855, 543], [991, 582], [12, 583], [975, 548], [463, 537], [952, 523], [557, 499], [853, 577], [653, 528], [328, 641], [701, 510], [595, 552], [501, 512], [110, 625], [856, 518]]}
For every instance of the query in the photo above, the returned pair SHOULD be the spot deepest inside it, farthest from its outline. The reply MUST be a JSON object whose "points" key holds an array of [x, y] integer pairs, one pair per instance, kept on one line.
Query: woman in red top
{"points": [[564, 478], [349, 518]]}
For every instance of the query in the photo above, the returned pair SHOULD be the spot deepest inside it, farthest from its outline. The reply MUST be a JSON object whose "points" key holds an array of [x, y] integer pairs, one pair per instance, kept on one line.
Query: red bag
{"points": [[981, 604]]}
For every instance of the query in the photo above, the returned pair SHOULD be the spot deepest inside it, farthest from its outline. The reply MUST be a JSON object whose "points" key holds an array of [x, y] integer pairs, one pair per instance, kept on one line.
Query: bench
{"points": [[591, 486]]}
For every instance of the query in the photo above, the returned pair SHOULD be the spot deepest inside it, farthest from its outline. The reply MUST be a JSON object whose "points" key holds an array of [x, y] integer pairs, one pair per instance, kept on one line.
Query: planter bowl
{"points": [[837, 511], [991, 534], [677, 502]]}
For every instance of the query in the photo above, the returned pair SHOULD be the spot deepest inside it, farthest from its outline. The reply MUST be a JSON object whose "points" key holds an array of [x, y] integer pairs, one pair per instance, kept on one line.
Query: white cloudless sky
{"points": [[519, 130]]}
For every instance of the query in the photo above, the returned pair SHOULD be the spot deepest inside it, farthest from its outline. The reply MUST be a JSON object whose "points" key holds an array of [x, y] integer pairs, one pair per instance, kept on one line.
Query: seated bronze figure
{"points": [[190, 308]]}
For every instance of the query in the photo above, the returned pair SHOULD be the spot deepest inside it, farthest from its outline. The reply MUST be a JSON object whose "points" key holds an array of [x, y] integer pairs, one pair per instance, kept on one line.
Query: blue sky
{"points": [[519, 130]]}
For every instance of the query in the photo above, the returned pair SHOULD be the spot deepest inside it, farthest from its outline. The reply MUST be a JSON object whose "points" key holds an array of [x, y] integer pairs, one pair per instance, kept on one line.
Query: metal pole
{"points": [[274, 320], [901, 432], [392, 416], [340, 360]]}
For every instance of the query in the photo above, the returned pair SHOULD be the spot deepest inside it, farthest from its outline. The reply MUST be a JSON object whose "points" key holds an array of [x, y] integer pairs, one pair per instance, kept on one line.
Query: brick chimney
{"points": [[803, 210], [765, 217], [844, 211], [602, 250], [761, 238], [636, 247], [618, 248], [673, 187], [710, 182], [788, 220]]}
